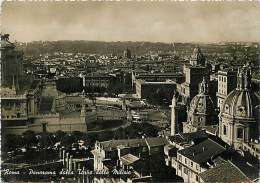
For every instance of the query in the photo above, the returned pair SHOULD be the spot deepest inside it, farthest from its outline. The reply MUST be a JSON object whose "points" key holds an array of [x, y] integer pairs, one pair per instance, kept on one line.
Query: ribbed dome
{"points": [[242, 102], [202, 103]]}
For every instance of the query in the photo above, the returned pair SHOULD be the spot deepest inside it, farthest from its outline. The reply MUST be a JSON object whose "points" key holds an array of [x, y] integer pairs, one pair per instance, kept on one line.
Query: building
{"points": [[197, 58], [201, 157], [97, 81], [11, 62], [239, 117], [202, 111], [227, 81], [193, 160], [127, 54], [142, 158], [156, 77], [18, 109], [146, 89], [194, 73]]}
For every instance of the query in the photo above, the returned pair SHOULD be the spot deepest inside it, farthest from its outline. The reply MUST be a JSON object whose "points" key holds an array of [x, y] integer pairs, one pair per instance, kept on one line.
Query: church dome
{"points": [[202, 103], [242, 103]]}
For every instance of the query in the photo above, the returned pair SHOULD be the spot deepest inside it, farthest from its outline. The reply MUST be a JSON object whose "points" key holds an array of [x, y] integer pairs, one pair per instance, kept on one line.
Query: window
{"points": [[197, 178], [179, 157], [185, 171], [224, 130], [227, 108], [185, 161], [240, 132], [197, 167], [191, 164], [179, 167]]}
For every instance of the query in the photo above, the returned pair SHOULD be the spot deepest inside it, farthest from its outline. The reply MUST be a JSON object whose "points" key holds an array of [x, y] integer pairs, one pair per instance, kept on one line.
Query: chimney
{"points": [[203, 148]]}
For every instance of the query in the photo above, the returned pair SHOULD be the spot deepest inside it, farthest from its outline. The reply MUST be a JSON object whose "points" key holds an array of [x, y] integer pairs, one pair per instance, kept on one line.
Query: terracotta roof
{"points": [[224, 172]]}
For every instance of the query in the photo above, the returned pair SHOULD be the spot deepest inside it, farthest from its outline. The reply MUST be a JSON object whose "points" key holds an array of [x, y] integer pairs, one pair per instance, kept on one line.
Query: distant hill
{"points": [[137, 48], [92, 47]]}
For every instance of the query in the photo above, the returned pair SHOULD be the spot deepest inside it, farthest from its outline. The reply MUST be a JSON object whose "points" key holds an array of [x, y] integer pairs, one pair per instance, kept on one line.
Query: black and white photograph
{"points": [[130, 91]]}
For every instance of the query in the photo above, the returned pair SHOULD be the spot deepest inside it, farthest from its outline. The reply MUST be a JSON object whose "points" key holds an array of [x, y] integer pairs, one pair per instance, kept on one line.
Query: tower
{"points": [[174, 114], [127, 53], [197, 58], [194, 73]]}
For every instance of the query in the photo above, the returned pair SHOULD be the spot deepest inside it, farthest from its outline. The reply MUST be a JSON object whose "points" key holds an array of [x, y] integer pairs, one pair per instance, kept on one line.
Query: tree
{"points": [[77, 135], [10, 142], [29, 138], [59, 135], [68, 140]]}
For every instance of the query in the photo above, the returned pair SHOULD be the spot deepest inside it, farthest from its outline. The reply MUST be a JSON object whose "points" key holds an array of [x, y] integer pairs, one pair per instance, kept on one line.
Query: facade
{"points": [[156, 77], [239, 118], [18, 109], [97, 80], [227, 81], [145, 89]]}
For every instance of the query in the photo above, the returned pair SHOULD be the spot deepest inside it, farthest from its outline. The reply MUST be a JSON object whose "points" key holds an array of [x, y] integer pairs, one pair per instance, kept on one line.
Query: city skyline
{"points": [[132, 21]]}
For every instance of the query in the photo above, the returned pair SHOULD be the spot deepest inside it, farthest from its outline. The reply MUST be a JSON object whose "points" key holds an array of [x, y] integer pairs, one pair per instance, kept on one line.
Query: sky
{"points": [[132, 21]]}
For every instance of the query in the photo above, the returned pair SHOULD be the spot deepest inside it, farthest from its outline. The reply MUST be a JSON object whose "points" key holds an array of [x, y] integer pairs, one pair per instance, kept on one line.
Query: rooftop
{"points": [[131, 143], [203, 152], [129, 159], [224, 172], [188, 137]]}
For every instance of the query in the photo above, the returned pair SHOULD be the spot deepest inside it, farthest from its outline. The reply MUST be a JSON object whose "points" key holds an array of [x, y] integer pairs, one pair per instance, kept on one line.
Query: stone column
{"points": [[63, 158], [70, 163], [67, 160]]}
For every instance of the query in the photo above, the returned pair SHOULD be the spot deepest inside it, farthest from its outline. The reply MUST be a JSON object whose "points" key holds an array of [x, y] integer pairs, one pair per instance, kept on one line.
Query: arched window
{"points": [[226, 108]]}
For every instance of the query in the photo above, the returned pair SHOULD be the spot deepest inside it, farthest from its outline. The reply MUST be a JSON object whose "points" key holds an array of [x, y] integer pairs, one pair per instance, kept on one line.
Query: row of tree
{"points": [[30, 138]]}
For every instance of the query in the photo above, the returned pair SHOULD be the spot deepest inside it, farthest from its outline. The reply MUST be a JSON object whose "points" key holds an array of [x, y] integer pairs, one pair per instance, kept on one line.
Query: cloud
{"points": [[132, 21]]}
